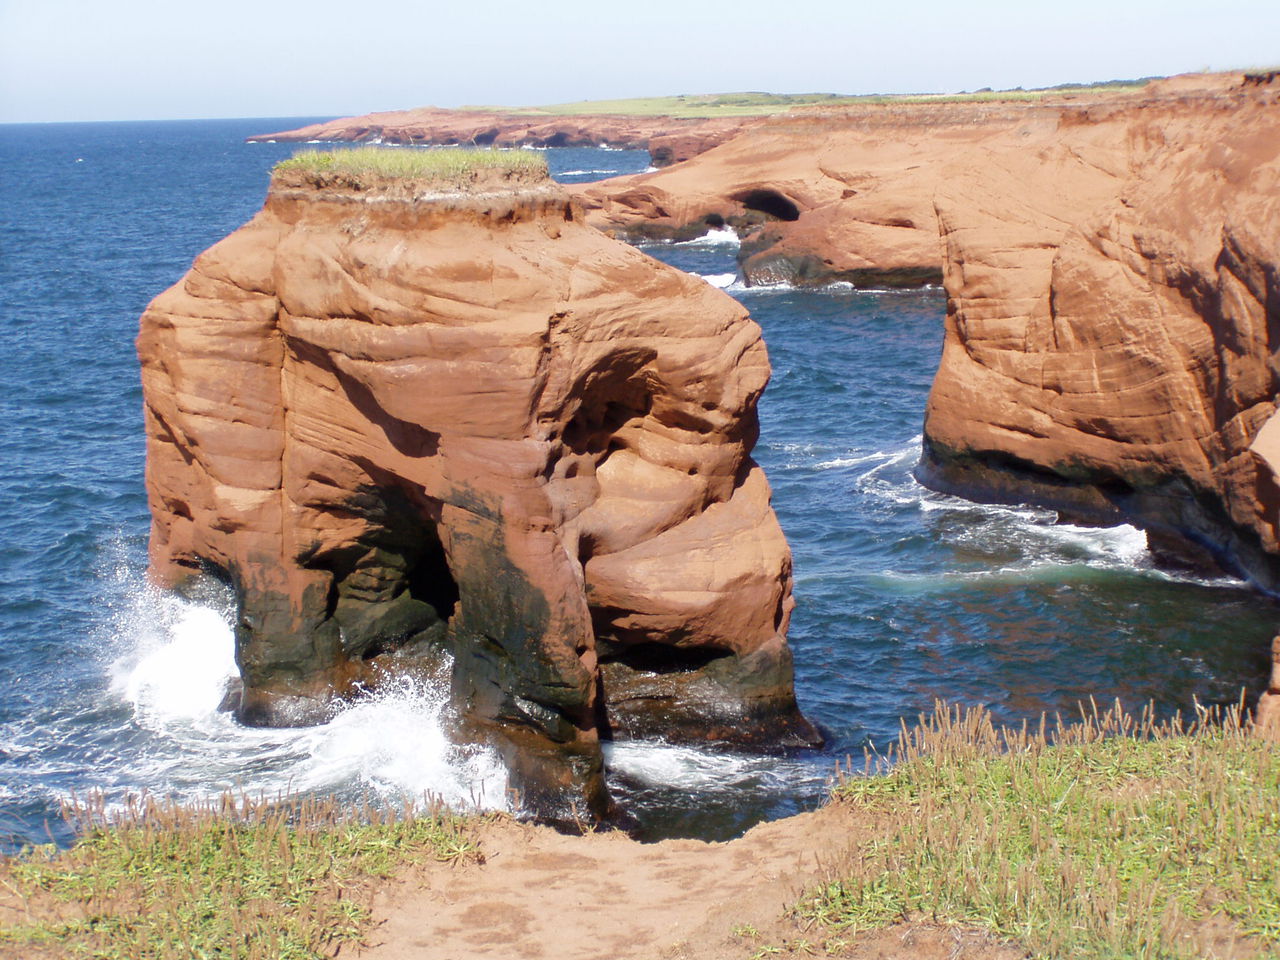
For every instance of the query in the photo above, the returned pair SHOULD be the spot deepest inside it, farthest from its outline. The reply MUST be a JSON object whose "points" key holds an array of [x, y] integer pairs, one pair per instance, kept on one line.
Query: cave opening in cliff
{"points": [[649, 656], [391, 586], [769, 202], [428, 577]]}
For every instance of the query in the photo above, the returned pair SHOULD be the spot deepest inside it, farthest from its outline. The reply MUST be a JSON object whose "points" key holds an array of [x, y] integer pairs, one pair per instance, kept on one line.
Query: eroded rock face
{"points": [[1113, 320], [403, 422], [1111, 268]]}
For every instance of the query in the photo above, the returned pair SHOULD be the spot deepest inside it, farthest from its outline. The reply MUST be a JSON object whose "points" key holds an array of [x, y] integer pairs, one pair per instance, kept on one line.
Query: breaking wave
{"points": [[151, 723]]}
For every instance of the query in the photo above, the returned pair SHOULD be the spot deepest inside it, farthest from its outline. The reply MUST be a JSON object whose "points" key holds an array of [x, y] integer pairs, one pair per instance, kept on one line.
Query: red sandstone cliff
{"points": [[668, 139], [402, 420], [1112, 267]]}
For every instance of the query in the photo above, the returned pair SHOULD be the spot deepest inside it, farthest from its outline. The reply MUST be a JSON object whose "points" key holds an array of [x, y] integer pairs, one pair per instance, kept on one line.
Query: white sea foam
{"points": [[721, 237], [700, 769], [174, 659], [836, 286], [1046, 547], [722, 280], [584, 173]]}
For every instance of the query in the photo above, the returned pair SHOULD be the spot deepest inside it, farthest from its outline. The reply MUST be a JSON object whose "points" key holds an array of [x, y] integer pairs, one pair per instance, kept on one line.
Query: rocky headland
{"points": [[668, 139], [1112, 269], [422, 428]]}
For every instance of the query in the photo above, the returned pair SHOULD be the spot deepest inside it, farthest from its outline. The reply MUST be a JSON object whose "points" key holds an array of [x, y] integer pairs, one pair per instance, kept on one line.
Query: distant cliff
{"points": [[668, 139], [1112, 266], [407, 422]]}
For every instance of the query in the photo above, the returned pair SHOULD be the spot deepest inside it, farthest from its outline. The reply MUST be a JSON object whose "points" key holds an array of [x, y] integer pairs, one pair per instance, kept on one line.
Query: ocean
{"points": [[903, 595]]}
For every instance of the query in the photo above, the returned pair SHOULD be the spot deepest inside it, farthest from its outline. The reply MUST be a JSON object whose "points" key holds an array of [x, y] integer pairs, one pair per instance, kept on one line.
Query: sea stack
{"points": [[414, 421]]}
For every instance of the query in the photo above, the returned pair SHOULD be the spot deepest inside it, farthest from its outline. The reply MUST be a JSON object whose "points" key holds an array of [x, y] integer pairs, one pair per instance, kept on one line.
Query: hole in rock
{"points": [[769, 202], [391, 585], [592, 429], [651, 657]]}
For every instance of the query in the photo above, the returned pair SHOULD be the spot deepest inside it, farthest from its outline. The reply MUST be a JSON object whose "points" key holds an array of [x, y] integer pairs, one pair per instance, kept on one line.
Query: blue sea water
{"points": [[903, 595]]}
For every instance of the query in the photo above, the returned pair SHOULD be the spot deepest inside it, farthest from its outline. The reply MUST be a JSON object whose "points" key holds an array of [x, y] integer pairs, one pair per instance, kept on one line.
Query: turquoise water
{"points": [[903, 595]]}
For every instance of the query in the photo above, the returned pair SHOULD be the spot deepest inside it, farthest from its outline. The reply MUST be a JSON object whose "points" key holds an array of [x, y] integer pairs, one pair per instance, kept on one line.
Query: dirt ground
{"points": [[540, 894]]}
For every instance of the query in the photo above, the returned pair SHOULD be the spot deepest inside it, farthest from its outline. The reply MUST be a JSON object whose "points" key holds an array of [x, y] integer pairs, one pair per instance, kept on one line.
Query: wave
{"points": [[722, 280], [704, 769], [585, 173], [151, 723], [722, 237]]}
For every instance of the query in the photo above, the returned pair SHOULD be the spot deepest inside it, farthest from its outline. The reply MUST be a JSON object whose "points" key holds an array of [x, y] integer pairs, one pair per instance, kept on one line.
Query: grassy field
{"points": [[454, 165], [1125, 839], [241, 881], [764, 104]]}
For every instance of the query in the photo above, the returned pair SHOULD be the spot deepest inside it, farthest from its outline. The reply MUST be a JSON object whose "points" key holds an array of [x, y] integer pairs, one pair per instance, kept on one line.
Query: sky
{"points": [[69, 60]]}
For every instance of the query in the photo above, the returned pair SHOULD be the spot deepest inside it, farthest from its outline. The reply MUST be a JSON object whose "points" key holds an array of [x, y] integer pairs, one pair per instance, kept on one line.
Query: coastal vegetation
{"points": [[239, 879], [455, 165], [1109, 837], [764, 104]]}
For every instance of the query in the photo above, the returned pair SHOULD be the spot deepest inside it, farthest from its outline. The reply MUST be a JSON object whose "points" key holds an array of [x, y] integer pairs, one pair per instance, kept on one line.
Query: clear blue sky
{"points": [[160, 59]]}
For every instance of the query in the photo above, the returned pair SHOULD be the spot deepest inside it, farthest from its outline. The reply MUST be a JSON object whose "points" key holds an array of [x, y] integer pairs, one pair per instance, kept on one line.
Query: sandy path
{"points": [[540, 894]]}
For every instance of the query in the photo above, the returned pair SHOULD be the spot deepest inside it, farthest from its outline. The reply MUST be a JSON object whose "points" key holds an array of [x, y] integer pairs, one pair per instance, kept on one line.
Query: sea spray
{"points": [[169, 661]]}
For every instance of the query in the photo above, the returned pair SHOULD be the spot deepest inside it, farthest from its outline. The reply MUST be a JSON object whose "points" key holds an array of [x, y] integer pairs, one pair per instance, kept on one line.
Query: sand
{"points": [[541, 894]]}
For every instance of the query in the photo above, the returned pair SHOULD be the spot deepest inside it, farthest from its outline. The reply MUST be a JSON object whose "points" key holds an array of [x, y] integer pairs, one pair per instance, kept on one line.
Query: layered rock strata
{"points": [[668, 139], [1112, 268], [409, 423], [1113, 319]]}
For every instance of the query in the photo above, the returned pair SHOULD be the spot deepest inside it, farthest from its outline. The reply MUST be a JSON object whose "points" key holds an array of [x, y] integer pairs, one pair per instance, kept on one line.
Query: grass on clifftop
{"points": [[249, 881], [765, 104], [1126, 839], [453, 165]]}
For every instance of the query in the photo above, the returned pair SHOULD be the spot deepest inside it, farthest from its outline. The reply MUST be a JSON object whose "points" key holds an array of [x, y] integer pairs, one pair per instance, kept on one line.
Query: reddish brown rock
{"points": [[668, 139], [1113, 318], [1112, 267], [402, 420]]}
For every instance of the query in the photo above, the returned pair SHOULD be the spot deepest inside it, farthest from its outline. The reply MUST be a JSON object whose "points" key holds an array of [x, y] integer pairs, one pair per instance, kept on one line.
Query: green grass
{"points": [[1122, 839], [452, 165], [249, 881], [765, 104]]}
